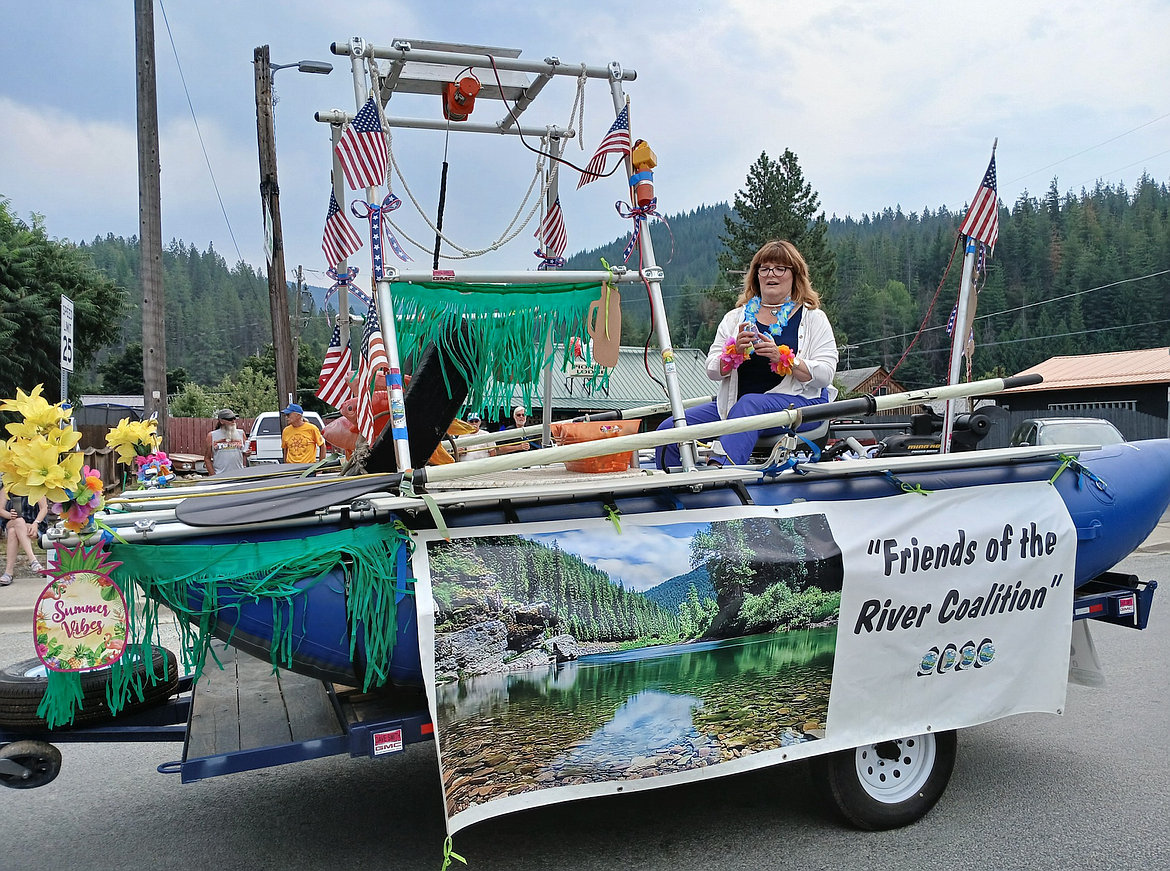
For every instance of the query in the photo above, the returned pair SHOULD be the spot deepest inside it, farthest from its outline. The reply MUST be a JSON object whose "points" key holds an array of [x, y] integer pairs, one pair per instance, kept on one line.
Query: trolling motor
{"points": [[925, 434]]}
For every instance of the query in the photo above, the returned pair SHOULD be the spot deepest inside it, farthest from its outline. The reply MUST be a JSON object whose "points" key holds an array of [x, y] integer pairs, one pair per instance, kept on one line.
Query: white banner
{"points": [[956, 610], [577, 658]]}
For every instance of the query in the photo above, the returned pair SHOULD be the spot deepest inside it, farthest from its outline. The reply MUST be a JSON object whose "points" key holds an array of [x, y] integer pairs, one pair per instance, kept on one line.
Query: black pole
{"points": [[442, 205]]}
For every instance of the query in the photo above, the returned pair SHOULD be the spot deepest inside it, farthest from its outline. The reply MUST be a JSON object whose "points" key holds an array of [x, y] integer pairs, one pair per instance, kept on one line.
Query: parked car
{"points": [[264, 439], [1066, 431]]}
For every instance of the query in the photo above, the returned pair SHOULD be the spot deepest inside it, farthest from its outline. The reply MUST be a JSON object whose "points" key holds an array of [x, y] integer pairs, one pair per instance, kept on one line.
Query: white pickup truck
{"points": [[264, 439]]}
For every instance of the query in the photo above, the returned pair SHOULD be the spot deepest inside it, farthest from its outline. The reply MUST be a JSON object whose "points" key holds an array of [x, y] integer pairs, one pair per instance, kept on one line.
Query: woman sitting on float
{"points": [[774, 351]]}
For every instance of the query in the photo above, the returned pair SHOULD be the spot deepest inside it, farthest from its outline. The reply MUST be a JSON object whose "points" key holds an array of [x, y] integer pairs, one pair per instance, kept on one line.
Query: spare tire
{"points": [[22, 685]]}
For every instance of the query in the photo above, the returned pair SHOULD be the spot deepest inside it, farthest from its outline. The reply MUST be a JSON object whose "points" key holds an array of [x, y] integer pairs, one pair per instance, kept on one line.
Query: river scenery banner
{"points": [[577, 658]]}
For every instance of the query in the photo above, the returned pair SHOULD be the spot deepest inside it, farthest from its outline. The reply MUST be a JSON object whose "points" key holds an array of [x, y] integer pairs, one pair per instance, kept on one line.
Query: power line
{"points": [[198, 132], [1028, 306], [1087, 150], [1128, 166]]}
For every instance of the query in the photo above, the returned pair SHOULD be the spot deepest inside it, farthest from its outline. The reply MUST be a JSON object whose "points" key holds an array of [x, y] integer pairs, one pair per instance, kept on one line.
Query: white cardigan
{"points": [[815, 345]]}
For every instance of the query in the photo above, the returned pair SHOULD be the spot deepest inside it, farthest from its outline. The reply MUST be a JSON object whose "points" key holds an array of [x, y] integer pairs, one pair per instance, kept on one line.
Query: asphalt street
{"points": [[1087, 790]]}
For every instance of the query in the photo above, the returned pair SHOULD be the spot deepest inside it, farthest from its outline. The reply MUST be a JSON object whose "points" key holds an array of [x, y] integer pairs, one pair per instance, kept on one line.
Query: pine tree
{"points": [[777, 203]]}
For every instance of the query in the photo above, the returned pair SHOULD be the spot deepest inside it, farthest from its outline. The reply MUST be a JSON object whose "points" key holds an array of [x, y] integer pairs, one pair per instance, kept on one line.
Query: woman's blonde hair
{"points": [[782, 253]]}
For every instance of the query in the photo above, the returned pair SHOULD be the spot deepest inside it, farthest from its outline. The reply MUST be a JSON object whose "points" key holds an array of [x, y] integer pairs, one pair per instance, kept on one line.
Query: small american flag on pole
{"points": [[333, 382], [554, 239], [982, 220], [340, 239], [616, 141], [373, 358], [362, 149]]}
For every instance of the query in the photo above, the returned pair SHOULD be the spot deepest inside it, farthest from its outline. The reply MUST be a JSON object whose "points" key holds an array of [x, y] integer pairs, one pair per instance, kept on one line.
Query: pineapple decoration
{"points": [[81, 617]]}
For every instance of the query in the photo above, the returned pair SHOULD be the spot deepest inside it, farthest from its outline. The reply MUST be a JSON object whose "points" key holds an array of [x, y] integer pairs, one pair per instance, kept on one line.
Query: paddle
{"points": [[296, 500]]}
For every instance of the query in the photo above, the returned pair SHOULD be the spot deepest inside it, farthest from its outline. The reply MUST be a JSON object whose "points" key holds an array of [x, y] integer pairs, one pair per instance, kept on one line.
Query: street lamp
{"points": [[320, 67], [286, 371]]}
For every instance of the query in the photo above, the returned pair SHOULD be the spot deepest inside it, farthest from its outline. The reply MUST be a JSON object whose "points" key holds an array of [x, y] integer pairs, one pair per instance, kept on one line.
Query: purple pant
{"points": [[738, 446]]}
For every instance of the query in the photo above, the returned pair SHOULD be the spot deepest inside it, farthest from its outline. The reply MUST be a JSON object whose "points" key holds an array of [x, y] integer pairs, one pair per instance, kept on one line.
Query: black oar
{"points": [[250, 505]]}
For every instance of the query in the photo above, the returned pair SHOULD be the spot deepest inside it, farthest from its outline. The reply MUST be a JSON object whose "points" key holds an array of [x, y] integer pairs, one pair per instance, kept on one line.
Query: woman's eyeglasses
{"points": [[773, 270]]}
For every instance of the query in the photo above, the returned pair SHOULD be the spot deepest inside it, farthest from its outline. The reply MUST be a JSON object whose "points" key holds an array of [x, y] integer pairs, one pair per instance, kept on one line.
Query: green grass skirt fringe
{"points": [[501, 331], [203, 584]]}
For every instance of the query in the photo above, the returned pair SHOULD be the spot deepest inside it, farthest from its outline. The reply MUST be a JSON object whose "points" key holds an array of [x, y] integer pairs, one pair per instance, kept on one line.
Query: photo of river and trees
{"points": [[602, 654]]}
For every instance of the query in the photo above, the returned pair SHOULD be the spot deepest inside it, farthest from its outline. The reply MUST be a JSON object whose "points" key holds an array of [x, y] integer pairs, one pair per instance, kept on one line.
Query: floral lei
{"points": [[731, 354]]}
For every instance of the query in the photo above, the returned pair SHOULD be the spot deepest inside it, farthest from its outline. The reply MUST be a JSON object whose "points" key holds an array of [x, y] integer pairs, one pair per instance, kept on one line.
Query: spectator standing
{"points": [[224, 449], [301, 440]]}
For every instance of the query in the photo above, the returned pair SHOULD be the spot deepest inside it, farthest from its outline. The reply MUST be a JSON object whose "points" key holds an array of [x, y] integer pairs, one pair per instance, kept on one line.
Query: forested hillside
{"points": [[1071, 273], [216, 315]]}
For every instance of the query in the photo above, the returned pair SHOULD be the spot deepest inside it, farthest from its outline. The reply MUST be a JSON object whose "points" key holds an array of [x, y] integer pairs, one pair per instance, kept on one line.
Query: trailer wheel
{"points": [[888, 784], [22, 685], [39, 763]]}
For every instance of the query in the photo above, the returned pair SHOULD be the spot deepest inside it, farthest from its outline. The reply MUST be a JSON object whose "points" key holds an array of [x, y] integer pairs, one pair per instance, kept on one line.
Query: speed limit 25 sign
{"points": [[66, 334]]}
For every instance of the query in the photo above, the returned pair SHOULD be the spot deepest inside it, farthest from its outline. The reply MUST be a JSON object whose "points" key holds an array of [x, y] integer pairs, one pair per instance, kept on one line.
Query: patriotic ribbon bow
{"points": [[640, 214], [549, 262], [344, 280], [373, 213]]}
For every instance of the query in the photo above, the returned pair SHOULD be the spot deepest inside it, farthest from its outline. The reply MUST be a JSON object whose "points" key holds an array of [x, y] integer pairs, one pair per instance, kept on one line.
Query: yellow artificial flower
{"points": [[38, 470], [35, 409], [64, 439], [134, 438]]}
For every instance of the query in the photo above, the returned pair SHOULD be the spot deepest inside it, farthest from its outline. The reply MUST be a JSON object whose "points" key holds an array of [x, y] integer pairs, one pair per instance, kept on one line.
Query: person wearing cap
{"points": [[479, 451], [301, 440], [223, 450]]}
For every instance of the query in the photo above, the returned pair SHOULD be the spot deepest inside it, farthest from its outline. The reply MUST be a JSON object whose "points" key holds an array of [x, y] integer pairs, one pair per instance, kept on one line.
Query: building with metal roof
{"points": [[1129, 388], [630, 384]]}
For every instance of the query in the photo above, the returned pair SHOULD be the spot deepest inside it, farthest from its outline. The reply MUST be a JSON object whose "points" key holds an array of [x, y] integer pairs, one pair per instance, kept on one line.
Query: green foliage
{"points": [[35, 272], [123, 374], [215, 315], [723, 549], [248, 393], [194, 401], [695, 615], [588, 604], [779, 607], [777, 203]]}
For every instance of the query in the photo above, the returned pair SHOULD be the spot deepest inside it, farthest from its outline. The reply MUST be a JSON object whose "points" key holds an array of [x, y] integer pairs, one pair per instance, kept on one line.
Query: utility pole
{"points": [[154, 345], [286, 380]]}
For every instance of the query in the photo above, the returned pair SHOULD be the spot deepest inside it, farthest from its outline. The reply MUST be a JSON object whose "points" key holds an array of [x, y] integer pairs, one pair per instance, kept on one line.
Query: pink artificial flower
{"points": [[732, 356]]}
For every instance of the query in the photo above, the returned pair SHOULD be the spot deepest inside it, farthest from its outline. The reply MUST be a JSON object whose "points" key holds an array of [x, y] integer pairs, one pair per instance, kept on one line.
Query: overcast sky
{"points": [[885, 103]]}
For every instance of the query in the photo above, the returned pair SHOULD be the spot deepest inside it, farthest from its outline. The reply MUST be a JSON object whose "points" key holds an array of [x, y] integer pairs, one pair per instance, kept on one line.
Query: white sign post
{"points": [[66, 345]]}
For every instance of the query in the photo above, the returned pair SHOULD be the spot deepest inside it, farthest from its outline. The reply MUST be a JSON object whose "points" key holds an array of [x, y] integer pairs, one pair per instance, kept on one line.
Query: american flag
{"points": [[616, 141], [982, 220], [333, 382], [362, 149], [552, 234], [373, 358], [340, 239]]}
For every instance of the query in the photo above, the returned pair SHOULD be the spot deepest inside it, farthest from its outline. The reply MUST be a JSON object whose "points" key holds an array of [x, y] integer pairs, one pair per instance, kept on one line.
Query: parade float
{"points": [[562, 634]]}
